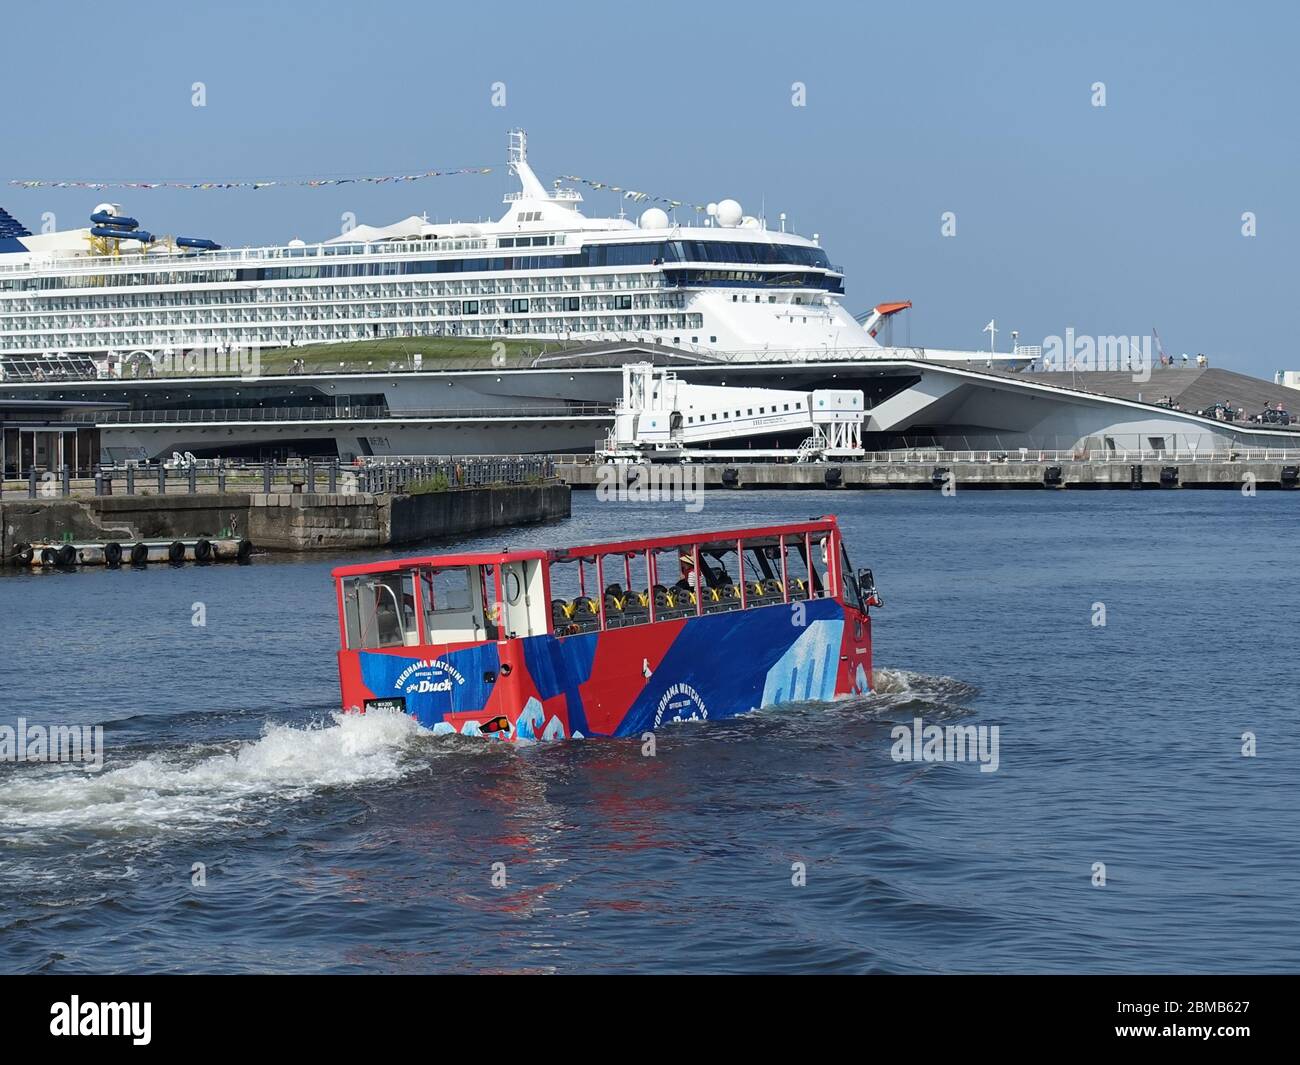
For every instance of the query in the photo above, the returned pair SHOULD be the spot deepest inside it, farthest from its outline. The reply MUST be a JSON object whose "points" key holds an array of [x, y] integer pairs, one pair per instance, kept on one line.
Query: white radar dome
{"points": [[654, 218], [749, 222], [296, 243], [729, 213]]}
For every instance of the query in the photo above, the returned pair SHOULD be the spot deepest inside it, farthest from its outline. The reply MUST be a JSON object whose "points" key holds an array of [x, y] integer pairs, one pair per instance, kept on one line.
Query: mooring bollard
{"points": [[99, 482]]}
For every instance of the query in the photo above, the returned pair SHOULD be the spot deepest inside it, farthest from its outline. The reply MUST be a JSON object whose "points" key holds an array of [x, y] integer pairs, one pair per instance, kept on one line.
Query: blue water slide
{"points": [[198, 243], [103, 218], [123, 234]]}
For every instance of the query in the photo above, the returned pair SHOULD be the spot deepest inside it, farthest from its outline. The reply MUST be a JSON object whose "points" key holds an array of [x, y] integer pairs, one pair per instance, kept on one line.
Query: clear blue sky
{"points": [[1111, 220]]}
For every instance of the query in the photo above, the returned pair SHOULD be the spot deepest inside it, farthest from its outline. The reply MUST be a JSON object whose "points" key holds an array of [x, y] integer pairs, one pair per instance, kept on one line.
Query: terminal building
{"points": [[565, 403]]}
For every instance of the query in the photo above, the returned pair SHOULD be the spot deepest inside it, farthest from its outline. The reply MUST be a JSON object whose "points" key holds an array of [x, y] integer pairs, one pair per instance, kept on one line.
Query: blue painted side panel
{"points": [[624, 682], [720, 665]]}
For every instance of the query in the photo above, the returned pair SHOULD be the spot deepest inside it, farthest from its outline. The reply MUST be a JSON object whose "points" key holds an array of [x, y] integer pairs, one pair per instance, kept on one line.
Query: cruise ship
{"points": [[543, 271], [504, 337]]}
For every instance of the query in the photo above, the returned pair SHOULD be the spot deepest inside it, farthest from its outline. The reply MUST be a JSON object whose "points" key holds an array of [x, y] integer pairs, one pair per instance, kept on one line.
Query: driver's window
{"points": [[444, 591], [452, 611], [380, 610]]}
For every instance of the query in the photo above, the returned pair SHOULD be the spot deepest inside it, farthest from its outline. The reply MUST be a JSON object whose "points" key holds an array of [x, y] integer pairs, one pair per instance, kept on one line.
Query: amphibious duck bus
{"points": [[610, 639]]}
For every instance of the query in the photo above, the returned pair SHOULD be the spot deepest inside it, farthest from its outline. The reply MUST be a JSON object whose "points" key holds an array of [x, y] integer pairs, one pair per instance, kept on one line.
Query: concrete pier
{"points": [[584, 473], [283, 521]]}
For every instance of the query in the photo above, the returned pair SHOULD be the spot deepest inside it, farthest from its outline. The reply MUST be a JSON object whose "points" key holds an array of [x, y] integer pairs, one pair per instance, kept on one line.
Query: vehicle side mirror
{"points": [[867, 589]]}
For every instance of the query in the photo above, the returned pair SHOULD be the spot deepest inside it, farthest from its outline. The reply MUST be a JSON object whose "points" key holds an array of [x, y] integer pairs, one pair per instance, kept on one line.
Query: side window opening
{"points": [[719, 574], [574, 607], [803, 579], [763, 585], [627, 589], [491, 608], [849, 581]]}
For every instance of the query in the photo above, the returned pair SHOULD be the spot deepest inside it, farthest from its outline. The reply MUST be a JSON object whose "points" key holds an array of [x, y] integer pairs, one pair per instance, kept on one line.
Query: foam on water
{"points": [[197, 788], [906, 682]]}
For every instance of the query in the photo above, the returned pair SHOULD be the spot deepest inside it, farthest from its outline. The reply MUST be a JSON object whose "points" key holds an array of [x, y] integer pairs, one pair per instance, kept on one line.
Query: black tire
{"points": [[47, 556], [139, 554], [23, 554], [176, 553], [112, 554], [66, 556], [245, 551], [203, 551]]}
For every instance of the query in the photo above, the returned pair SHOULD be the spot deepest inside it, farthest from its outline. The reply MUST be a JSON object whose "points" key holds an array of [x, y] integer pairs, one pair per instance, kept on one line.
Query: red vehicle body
{"points": [[609, 639]]}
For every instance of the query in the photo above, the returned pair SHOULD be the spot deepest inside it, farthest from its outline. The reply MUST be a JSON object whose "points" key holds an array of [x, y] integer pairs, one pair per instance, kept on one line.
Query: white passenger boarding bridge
{"points": [[662, 417]]}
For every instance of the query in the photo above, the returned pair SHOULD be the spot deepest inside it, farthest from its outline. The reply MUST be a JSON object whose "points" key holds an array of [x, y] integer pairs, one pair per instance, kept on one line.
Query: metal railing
{"points": [[524, 351], [278, 255], [313, 476], [1019, 456], [400, 477], [923, 456]]}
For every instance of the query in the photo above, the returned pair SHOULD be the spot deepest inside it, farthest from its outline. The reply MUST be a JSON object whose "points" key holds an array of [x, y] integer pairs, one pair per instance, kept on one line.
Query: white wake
{"points": [[182, 790]]}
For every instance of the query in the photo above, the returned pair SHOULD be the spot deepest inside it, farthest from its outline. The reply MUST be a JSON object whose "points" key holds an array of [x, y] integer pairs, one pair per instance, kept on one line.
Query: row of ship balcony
{"points": [[211, 295], [368, 292], [342, 311], [99, 264]]}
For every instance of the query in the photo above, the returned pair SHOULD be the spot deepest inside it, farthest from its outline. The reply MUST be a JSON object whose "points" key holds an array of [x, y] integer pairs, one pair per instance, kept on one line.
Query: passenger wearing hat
{"points": [[688, 579]]}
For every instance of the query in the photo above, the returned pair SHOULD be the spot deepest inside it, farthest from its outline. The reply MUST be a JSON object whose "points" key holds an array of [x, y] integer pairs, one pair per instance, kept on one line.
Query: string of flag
{"points": [[311, 183], [633, 194]]}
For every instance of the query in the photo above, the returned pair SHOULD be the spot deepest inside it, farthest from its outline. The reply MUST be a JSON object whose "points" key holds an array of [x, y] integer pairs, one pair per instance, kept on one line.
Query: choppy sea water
{"points": [[784, 840]]}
